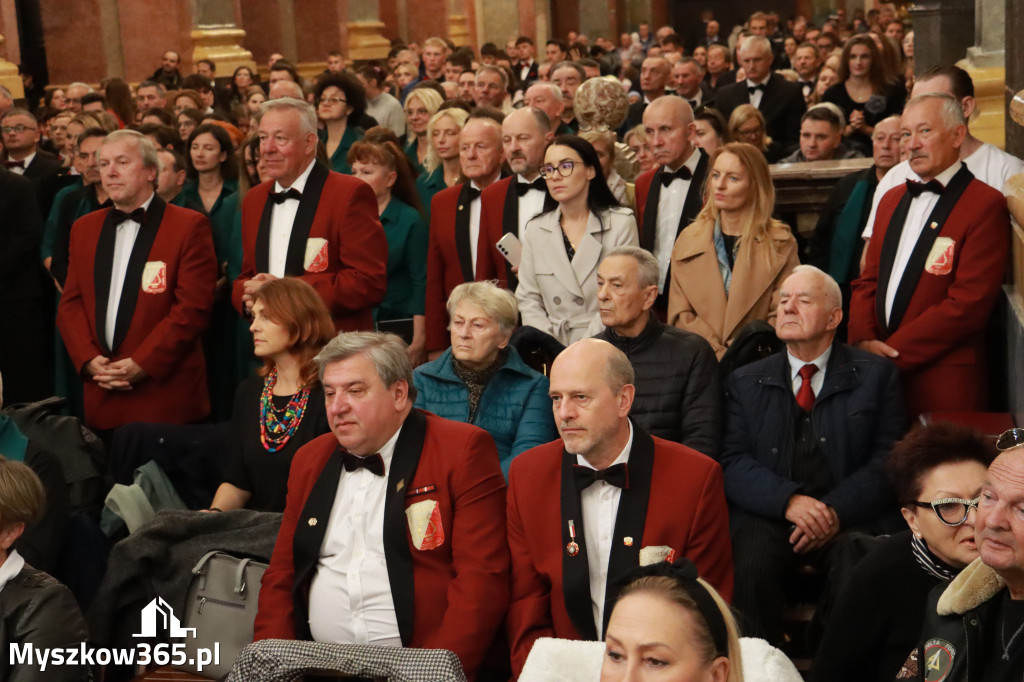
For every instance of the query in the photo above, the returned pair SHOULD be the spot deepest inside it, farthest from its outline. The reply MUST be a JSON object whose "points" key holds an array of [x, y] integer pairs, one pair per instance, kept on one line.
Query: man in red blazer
{"points": [[669, 197], [138, 296], [454, 256], [605, 498], [395, 537], [508, 204], [934, 266], [311, 223]]}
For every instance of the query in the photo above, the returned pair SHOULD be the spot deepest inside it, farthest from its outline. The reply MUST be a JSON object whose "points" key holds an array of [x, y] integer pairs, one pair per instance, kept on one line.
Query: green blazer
{"points": [[339, 159]]}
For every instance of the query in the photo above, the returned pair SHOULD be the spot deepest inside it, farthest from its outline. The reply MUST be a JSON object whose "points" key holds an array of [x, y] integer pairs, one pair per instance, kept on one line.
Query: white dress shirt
{"points": [[600, 505], [11, 567], [350, 599], [474, 224], [26, 162], [757, 95], [524, 69], [817, 379], [282, 219], [670, 208], [917, 215], [124, 242], [531, 205]]}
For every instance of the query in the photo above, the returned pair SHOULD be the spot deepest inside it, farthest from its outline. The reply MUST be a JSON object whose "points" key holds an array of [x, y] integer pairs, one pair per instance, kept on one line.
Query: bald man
{"points": [[460, 250], [604, 498], [668, 198]]}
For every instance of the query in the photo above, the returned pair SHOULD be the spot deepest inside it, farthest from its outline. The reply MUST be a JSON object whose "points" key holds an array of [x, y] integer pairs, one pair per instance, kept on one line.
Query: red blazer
{"points": [[337, 245], [940, 333], [449, 259], [165, 306], [451, 596], [675, 499], [492, 222]]}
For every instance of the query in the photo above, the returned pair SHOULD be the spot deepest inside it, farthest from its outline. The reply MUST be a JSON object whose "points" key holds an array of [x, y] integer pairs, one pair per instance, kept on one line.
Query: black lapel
{"points": [[650, 226], [631, 516], [510, 224], [888, 256], [397, 554], [462, 245], [575, 569], [309, 537], [294, 264], [101, 274], [933, 226], [694, 197], [136, 264], [263, 236]]}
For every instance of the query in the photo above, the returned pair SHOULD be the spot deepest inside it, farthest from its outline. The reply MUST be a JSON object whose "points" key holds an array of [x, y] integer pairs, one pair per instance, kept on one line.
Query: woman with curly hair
{"points": [[340, 103]]}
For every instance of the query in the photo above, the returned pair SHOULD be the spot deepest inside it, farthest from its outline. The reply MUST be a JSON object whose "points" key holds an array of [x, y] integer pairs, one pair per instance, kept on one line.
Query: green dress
{"points": [[427, 185], [339, 159], [407, 262]]}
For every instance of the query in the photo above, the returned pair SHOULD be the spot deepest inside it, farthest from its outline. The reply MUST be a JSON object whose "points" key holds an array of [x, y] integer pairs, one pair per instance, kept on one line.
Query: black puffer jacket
{"points": [[678, 391], [38, 610]]}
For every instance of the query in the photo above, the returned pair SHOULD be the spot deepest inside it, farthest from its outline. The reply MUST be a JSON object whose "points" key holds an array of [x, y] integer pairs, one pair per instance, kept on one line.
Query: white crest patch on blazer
{"points": [[940, 258], [655, 553], [425, 525], [315, 259], [154, 277]]}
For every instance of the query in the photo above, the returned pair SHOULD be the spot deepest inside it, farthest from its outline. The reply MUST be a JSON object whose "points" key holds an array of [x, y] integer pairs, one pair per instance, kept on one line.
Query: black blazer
{"points": [[782, 105], [44, 172], [21, 231]]}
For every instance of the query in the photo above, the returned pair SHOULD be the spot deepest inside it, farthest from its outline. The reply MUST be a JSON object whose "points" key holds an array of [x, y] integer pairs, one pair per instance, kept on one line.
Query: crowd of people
{"points": [[532, 341]]}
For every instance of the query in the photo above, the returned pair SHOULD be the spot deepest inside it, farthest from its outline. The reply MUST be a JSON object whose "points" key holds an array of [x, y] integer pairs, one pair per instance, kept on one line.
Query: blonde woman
{"points": [[420, 105], [441, 165], [746, 124], [728, 265]]}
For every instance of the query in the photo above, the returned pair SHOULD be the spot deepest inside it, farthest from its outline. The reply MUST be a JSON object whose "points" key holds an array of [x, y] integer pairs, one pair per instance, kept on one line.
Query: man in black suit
{"points": [[688, 81], [22, 157], [719, 70], [527, 65], [654, 76], [24, 360], [779, 101]]}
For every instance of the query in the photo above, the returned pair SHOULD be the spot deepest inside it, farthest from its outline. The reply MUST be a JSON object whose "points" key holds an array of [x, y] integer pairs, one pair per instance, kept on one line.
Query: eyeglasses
{"points": [[1010, 438], [952, 511], [564, 169], [19, 129], [333, 100]]}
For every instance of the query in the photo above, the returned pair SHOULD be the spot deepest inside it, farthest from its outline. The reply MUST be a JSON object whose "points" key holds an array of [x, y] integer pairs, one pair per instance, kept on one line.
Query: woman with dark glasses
{"points": [[563, 246], [936, 472]]}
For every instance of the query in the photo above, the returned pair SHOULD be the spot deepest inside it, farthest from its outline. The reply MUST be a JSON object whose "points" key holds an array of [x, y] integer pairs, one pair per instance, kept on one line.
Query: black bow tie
{"points": [[472, 192], [290, 193], [755, 88], [916, 188], [692, 103], [373, 463], [138, 215], [668, 176], [616, 475], [524, 187], [15, 164]]}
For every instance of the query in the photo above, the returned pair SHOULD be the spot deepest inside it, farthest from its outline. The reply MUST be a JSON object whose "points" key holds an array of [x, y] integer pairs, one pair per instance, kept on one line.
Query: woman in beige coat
{"points": [[728, 265], [562, 247]]}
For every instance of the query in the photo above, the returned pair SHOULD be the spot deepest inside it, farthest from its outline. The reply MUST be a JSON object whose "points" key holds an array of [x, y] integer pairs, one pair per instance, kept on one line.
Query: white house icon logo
{"points": [[159, 615]]}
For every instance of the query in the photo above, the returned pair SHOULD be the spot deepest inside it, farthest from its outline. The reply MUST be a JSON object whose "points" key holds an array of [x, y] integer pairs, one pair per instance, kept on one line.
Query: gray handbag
{"points": [[221, 606]]}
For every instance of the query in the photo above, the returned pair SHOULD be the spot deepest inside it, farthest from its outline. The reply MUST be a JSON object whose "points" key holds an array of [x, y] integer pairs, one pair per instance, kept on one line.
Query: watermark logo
{"points": [[157, 617]]}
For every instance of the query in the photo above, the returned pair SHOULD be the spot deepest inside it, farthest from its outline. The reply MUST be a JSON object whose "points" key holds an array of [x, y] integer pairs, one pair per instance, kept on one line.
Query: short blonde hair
{"points": [[22, 497], [499, 304]]}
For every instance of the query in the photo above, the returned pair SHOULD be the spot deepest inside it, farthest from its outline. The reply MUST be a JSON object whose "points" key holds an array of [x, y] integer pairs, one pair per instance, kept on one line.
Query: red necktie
{"points": [[805, 396]]}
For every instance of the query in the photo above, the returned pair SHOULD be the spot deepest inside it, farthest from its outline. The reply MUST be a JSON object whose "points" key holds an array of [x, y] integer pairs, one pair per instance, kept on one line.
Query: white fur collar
{"points": [[975, 585]]}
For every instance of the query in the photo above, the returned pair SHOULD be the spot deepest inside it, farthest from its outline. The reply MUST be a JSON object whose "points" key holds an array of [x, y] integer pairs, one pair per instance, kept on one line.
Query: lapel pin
{"points": [[933, 225], [312, 521], [399, 486], [460, 207], [572, 549], [627, 541]]}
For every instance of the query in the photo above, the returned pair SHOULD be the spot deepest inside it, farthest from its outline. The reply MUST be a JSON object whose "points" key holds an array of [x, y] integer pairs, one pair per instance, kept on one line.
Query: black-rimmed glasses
{"points": [[333, 100], [564, 169], [952, 511], [1010, 438]]}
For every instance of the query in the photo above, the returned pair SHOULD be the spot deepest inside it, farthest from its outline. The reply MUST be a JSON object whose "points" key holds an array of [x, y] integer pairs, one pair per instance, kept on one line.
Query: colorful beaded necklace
{"points": [[278, 426]]}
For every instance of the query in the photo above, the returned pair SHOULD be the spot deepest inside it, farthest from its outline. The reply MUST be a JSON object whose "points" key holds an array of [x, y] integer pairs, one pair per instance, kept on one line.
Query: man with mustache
{"points": [[934, 267], [604, 498], [508, 204]]}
